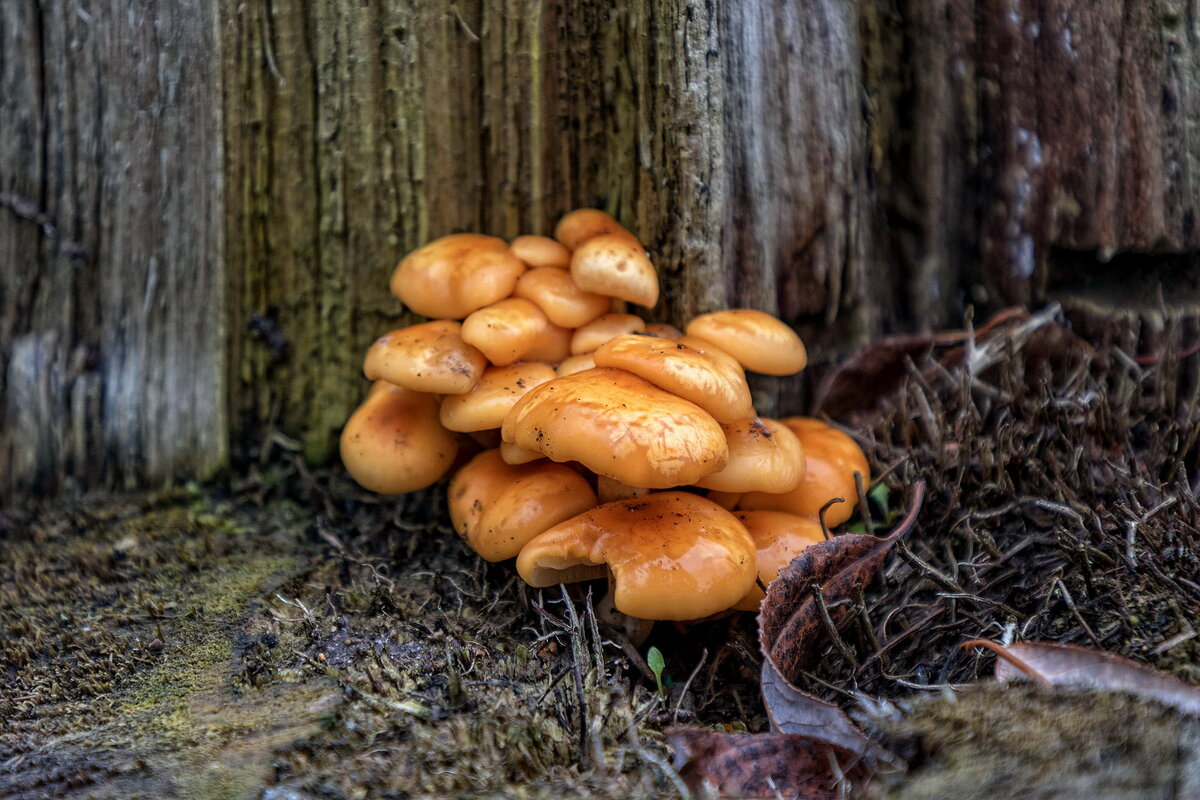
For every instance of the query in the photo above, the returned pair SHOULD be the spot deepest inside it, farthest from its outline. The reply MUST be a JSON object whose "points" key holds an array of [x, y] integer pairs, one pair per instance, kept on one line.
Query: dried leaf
{"points": [[1069, 665], [795, 712], [764, 765], [790, 622], [874, 371], [877, 369]]}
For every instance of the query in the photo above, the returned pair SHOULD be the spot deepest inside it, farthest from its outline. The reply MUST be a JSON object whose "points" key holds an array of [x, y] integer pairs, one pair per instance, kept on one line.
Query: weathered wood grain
{"points": [[357, 132], [110, 306], [201, 202]]}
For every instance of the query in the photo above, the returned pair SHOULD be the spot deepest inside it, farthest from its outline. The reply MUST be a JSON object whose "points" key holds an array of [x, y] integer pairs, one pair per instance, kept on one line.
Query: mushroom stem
{"points": [[636, 630]]}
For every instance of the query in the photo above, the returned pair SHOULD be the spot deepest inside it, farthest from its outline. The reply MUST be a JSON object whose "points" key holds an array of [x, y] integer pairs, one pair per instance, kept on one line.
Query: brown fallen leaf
{"points": [[855, 386], [765, 765], [877, 369], [790, 621], [795, 712], [1069, 665]]}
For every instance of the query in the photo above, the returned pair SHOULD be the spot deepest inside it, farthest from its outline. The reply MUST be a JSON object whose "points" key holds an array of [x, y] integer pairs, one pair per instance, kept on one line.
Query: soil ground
{"points": [[281, 634]]}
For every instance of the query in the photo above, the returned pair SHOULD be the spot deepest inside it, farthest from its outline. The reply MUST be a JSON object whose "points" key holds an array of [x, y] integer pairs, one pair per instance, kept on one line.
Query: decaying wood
{"points": [[229, 183], [111, 278]]}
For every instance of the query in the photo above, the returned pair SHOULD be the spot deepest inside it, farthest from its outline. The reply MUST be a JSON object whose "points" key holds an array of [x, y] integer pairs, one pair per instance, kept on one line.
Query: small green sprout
{"points": [[654, 660]]}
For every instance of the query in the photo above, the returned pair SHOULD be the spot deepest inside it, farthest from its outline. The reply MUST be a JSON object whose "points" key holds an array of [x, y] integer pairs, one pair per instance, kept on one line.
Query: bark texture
{"points": [[364, 131], [1033, 150], [203, 201], [111, 279]]}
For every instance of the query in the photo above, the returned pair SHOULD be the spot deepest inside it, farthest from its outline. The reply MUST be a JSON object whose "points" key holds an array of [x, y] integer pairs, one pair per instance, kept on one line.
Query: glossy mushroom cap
{"points": [[664, 330], [617, 267], [778, 538], [607, 326], [760, 342], [552, 346], [394, 443], [576, 363], [493, 397], [609, 489], [717, 386], [452, 276], [540, 251], [518, 455], [498, 507], [672, 555], [585, 223], [431, 357], [764, 456], [619, 425], [563, 303], [506, 331], [831, 458]]}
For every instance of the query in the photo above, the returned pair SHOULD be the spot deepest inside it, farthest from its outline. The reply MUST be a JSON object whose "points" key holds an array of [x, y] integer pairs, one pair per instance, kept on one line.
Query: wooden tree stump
{"points": [[202, 203]]}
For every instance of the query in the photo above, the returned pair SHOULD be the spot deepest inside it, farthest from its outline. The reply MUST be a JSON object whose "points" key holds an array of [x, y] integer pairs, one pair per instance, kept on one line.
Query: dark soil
{"points": [[285, 635]]}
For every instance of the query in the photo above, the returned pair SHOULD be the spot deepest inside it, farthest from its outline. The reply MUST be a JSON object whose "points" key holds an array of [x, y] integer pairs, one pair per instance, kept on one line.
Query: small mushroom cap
{"points": [[506, 331], [452, 276], [717, 386], [664, 331], [619, 425], [540, 251], [430, 357], [499, 389], [764, 456], [576, 363], [779, 537], [552, 346], [498, 507], [585, 223], [518, 455], [831, 458], [393, 442], [615, 266], [563, 303], [760, 342], [603, 328], [672, 555]]}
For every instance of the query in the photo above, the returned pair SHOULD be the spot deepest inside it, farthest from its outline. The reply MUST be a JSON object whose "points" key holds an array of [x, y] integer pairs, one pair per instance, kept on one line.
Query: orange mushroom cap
{"points": [[831, 458], [552, 347], [576, 363], [507, 330], [563, 303], [430, 357], [518, 455], [498, 507], [540, 251], [615, 266], [607, 326], [672, 555], [664, 330], [493, 397], [452, 276], [717, 386], [778, 538], [585, 223], [759, 341], [619, 425], [393, 442], [764, 456]]}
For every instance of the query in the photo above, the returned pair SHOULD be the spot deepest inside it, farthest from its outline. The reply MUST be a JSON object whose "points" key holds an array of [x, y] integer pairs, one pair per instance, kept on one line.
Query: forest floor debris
{"points": [[282, 634]]}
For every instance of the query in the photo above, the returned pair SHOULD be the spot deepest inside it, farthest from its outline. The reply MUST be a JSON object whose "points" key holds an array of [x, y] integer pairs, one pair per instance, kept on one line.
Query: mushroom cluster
{"points": [[602, 445]]}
